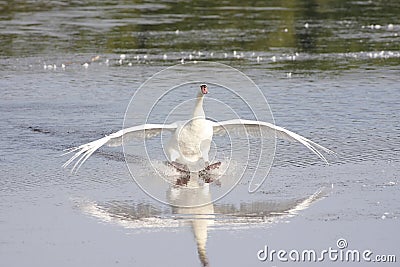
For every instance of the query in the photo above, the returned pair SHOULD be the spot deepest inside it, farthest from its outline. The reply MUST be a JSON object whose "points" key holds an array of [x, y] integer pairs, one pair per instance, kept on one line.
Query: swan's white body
{"points": [[190, 142]]}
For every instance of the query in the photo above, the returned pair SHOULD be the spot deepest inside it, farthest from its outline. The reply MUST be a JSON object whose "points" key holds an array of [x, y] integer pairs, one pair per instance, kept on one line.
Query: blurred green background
{"points": [[311, 26]]}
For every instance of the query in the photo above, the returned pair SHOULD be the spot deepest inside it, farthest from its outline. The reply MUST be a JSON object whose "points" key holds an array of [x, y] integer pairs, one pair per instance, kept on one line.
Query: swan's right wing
{"points": [[83, 152]]}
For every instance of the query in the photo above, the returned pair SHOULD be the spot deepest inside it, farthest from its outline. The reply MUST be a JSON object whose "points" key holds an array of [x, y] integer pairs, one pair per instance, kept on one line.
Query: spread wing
{"points": [[83, 152], [262, 129]]}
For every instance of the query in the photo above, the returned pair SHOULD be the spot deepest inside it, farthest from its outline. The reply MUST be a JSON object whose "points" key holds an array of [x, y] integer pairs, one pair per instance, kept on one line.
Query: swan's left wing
{"points": [[83, 152], [266, 130]]}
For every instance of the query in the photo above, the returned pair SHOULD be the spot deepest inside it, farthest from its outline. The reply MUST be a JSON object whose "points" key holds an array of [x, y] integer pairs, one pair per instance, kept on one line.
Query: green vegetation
{"points": [[286, 26]]}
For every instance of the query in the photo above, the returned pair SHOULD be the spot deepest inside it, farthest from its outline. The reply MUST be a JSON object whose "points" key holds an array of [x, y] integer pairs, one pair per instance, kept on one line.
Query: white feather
{"points": [[263, 129], [190, 141]]}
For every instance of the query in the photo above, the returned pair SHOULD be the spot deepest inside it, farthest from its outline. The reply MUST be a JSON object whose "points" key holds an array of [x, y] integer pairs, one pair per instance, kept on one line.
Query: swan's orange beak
{"points": [[204, 89]]}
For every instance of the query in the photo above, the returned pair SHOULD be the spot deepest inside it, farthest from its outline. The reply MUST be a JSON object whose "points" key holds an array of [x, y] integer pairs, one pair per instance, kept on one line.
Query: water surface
{"points": [[329, 70]]}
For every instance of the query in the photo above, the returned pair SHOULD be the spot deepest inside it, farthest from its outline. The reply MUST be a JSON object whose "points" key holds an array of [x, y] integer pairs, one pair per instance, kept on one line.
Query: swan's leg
{"points": [[184, 176], [183, 180], [207, 176], [213, 166]]}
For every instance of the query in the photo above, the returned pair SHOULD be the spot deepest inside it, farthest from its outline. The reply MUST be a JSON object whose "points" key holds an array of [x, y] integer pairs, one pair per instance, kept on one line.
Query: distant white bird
{"points": [[189, 145]]}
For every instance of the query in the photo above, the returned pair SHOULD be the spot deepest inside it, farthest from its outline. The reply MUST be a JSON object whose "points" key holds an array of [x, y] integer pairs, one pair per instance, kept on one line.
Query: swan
{"points": [[189, 145]]}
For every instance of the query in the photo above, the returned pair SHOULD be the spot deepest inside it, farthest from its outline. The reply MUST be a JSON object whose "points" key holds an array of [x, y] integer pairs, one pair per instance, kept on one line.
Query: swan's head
{"points": [[204, 89]]}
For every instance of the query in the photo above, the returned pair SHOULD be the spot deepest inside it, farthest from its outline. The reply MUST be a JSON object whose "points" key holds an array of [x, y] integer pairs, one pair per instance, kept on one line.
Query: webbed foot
{"points": [[183, 180], [213, 166], [206, 175]]}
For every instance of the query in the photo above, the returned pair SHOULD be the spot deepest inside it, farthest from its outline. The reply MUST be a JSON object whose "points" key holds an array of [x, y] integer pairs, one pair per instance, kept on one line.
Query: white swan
{"points": [[190, 143]]}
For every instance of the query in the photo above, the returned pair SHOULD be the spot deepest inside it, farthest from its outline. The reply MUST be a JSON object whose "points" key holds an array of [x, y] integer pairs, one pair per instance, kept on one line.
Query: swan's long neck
{"points": [[198, 112]]}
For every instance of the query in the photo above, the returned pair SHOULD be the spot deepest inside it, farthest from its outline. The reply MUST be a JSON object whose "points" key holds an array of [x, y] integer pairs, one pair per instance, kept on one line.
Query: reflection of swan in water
{"points": [[185, 210], [186, 200]]}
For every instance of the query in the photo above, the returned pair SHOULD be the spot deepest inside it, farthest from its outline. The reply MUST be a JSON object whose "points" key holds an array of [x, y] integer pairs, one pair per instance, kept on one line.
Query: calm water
{"points": [[329, 70]]}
